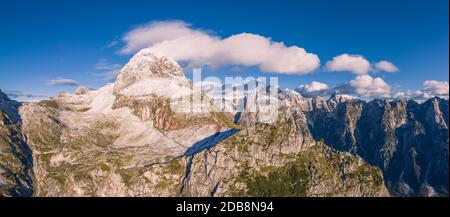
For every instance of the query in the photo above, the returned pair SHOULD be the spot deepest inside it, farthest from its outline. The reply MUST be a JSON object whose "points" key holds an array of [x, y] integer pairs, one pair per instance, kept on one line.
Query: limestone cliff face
{"points": [[407, 140], [279, 159], [317, 171], [16, 172]]}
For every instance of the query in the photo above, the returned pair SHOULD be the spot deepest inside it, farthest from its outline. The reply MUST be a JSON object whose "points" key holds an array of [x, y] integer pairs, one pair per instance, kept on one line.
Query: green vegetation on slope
{"points": [[319, 164]]}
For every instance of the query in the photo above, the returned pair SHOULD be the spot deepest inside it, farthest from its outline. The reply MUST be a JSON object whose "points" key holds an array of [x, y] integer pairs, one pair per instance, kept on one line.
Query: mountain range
{"points": [[125, 139]]}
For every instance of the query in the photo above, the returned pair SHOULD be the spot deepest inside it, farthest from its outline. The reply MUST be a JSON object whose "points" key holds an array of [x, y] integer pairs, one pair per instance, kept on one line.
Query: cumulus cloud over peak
{"points": [[367, 86], [386, 66], [356, 64], [181, 42], [434, 87], [314, 86], [431, 88], [363, 86], [155, 32]]}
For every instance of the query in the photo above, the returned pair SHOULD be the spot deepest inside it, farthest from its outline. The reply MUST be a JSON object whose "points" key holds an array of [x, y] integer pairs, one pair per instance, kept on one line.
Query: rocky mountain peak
{"points": [[9, 106], [435, 112], [338, 97], [291, 95], [319, 103], [82, 90], [147, 65], [3, 96]]}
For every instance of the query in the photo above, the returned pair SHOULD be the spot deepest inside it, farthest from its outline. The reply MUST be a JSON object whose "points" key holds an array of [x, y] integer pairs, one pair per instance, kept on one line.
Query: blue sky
{"points": [[42, 41]]}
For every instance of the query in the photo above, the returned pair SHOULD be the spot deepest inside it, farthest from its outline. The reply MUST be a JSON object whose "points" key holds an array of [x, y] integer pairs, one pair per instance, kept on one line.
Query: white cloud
{"points": [[315, 88], [416, 95], [368, 88], [62, 81], [356, 64], [386, 66], [365, 85], [431, 88], [179, 41], [434, 87], [312, 87]]}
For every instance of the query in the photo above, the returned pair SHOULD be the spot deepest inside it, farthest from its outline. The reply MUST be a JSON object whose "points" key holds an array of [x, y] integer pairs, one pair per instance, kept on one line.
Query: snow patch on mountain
{"points": [[147, 65]]}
